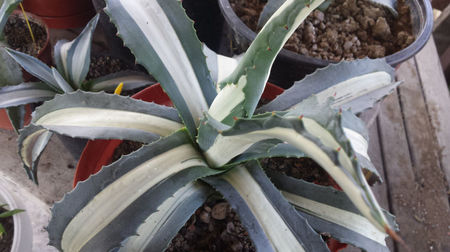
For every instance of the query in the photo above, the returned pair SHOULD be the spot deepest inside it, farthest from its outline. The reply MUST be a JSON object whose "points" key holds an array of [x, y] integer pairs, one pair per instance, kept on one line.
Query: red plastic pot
{"points": [[91, 161], [61, 14]]}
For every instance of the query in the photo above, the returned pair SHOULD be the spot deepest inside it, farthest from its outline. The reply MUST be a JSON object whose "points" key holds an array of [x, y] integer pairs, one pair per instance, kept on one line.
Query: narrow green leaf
{"points": [[131, 80], [97, 203], [8, 6], [73, 58], [25, 93], [153, 30], [35, 67], [272, 223], [10, 213], [253, 70], [105, 116]]}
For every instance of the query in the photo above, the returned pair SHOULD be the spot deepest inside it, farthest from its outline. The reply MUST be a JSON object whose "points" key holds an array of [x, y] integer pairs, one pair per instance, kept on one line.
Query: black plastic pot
{"points": [[290, 67]]}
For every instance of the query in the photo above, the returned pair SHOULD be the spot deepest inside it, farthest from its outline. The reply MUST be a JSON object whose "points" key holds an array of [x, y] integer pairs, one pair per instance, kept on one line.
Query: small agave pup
{"points": [[72, 59], [212, 141]]}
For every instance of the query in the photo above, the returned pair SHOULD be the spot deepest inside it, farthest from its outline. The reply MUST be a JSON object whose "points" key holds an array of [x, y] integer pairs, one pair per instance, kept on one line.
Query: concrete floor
{"points": [[56, 169]]}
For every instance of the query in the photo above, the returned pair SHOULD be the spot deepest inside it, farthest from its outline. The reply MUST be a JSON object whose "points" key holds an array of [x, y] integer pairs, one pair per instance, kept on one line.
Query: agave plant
{"points": [[212, 140], [72, 59]]}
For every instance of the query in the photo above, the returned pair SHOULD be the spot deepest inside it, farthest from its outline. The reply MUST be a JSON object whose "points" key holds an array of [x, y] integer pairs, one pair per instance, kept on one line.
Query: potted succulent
{"points": [[72, 59], [22, 234], [10, 71], [211, 141], [291, 66], [61, 14]]}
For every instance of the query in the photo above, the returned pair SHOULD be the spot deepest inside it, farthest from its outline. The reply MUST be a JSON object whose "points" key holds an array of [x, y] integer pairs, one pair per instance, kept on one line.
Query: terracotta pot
{"points": [[91, 161], [61, 14]]}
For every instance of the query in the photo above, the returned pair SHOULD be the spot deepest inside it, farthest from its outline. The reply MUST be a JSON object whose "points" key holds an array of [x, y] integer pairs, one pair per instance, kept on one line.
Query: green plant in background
{"points": [[72, 60], [6, 214], [213, 139]]}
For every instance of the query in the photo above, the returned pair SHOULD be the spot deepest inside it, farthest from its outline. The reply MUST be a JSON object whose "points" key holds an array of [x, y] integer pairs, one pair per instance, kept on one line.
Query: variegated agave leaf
{"points": [[36, 68], [103, 208], [160, 227], [318, 135], [94, 116], [8, 6], [153, 30], [332, 212], [355, 85], [273, 5], [72, 58], [130, 79], [25, 93], [242, 89], [10, 72], [271, 222]]}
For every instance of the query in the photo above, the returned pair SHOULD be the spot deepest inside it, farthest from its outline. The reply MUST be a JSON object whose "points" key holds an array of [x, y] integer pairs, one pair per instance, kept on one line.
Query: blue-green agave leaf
{"points": [[16, 116], [109, 212], [322, 140], [355, 85], [106, 116], [153, 30], [73, 58], [271, 222], [35, 67], [160, 228], [8, 6], [332, 212], [242, 89], [130, 79], [62, 83], [25, 93], [32, 142], [10, 71]]}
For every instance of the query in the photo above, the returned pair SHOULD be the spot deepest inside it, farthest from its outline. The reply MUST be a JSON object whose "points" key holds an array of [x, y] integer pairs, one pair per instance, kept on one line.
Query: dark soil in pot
{"points": [[348, 29], [103, 65], [7, 239], [18, 35]]}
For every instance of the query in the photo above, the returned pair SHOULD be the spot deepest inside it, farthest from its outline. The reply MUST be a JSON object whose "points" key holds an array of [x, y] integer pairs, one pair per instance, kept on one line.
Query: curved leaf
{"points": [[105, 116], [131, 80], [35, 67], [272, 223], [253, 70], [159, 228], [16, 116], [97, 203], [309, 137], [73, 58], [25, 93], [8, 6], [153, 30], [62, 83], [332, 212], [10, 72], [355, 85], [32, 142]]}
